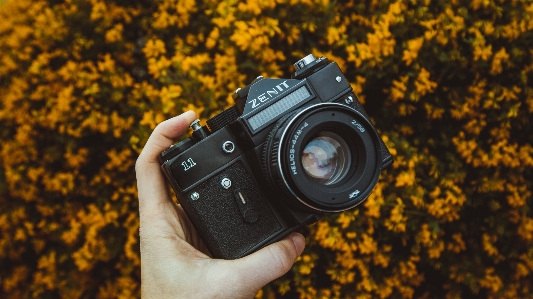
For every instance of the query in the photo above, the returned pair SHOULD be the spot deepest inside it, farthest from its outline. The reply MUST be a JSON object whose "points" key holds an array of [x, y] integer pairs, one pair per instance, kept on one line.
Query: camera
{"points": [[287, 152]]}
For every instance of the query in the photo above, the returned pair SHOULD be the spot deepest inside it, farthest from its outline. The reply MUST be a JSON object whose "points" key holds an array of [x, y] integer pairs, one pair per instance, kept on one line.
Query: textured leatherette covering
{"points": [[220, 222]]}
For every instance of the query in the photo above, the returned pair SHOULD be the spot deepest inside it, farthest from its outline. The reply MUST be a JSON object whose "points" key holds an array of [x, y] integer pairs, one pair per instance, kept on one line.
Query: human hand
{"points": [[174, 260]]}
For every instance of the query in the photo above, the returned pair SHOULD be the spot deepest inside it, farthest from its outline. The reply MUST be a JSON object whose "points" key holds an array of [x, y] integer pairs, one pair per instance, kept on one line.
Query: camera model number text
{"points": [[358, 126], [188, 164]]}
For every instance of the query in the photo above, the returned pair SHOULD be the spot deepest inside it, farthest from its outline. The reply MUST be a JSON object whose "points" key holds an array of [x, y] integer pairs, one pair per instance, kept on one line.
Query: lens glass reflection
{"points": [[326, 158]]}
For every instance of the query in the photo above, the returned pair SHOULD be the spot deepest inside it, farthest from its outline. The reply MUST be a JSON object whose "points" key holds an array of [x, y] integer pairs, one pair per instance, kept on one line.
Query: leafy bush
{"points": [[447, 84]]}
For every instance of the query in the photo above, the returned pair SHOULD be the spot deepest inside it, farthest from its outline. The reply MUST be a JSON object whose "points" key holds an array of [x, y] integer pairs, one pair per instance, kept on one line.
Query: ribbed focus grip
{"points": [[222, 119]]}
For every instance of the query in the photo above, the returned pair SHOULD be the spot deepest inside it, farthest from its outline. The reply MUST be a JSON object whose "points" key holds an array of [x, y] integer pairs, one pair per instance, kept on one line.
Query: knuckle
{"points": [[283, 256]]}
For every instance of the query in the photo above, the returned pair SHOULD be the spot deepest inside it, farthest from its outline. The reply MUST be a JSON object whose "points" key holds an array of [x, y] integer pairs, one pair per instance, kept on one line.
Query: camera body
{"points": [[287, 152]]}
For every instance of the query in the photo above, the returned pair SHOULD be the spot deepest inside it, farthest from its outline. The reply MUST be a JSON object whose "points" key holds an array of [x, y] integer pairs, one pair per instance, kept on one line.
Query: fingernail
{"points": [[299, 242]]}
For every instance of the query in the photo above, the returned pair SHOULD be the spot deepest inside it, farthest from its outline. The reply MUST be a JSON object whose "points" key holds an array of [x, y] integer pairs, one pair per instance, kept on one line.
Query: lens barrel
{"points": [[325, 157]]}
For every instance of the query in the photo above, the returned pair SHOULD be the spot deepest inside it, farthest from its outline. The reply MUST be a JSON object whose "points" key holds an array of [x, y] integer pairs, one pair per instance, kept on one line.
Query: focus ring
{"points": [[270, 160]]}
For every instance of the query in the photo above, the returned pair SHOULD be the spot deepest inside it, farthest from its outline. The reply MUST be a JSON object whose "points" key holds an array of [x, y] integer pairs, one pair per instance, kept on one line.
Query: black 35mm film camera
{"points": [[287, 152]]}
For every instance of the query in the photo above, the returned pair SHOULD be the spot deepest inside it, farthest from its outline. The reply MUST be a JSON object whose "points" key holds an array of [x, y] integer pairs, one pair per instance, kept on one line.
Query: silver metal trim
{"points": [[195, 125], [228, 151], [226, 183], [195, 196], [300, 64], [242, 198]]}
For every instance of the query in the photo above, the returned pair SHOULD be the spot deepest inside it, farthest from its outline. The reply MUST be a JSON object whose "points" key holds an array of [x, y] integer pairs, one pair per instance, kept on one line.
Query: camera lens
{"points": [[326, 158]]}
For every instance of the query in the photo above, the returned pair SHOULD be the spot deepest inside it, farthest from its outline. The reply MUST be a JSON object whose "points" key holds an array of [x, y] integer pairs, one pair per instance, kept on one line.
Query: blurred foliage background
{"points": [[447, 84]]}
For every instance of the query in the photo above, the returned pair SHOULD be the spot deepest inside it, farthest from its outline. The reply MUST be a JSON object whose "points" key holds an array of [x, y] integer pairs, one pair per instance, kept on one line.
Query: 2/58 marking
{"points": [[359, 126]]}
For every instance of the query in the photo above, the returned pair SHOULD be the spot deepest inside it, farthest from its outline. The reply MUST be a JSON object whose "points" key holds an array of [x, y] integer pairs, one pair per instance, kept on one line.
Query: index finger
{"points": [[151, 185], [164, 135]]}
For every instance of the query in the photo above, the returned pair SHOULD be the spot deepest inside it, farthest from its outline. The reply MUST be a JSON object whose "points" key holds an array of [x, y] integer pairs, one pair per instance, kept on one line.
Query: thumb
{"points": [[271, 262]]}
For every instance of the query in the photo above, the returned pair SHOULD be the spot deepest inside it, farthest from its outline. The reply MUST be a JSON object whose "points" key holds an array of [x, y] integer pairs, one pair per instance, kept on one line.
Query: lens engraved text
{"points": [[292, 151], [358, 126]]}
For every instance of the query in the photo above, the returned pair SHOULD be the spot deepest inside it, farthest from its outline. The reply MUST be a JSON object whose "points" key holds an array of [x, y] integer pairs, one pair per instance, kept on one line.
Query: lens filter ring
{"points": [[325, 157]]}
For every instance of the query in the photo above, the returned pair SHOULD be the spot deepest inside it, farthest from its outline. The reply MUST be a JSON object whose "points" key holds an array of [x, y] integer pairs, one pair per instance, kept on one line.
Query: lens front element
{"points": [[326, 158]]}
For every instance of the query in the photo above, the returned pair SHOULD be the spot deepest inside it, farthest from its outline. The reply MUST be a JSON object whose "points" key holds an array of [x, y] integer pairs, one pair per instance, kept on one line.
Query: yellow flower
{"points": [[488, 245], [482, 52], [411, 53], [381, 260], [499, 57], [98, 10], [525, 230], [71, 235], [367, 244], [196, 109], [148, 119], [158, 67], [491, 281], [398, 89], [191, 62], [334, 34], [17, 275], [423, 84], [212, 38], [253, 7], [114, 34], [344, 219], [75, 160], [305, 269], [397, 221], [433, 112], [374, 202], [405, 178], [154, 48], [107, 64]]}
